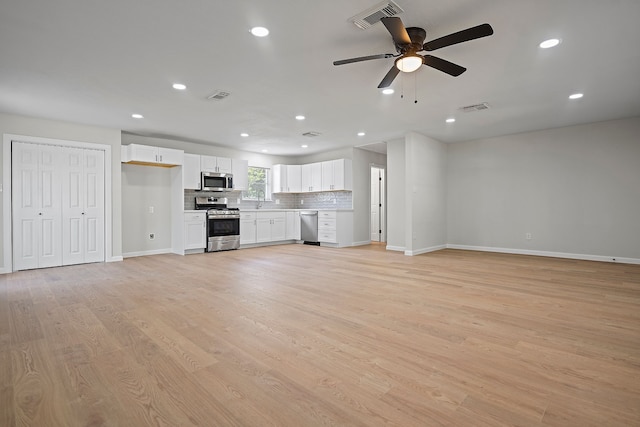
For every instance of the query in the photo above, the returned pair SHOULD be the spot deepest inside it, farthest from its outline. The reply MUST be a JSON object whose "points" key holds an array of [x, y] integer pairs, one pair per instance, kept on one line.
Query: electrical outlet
{"points": [[151, 209], [152, 236], [238, 200], [527, 236], [302, 202], [277, 201], [335, 201]]}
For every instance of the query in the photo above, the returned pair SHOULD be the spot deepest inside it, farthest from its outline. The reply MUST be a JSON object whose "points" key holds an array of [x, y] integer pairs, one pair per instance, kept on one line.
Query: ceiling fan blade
{"points": [[388, 79], [444, 66], [459, 37], [396, 28], [363, 58]]}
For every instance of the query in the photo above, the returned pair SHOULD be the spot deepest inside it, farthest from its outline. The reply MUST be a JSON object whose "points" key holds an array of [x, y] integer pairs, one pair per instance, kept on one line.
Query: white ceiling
{"points": [[97, 62]]}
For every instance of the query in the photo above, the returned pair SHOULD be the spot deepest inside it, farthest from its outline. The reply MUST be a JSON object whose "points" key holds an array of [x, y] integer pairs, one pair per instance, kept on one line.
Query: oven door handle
{"points": [[223, 216]]}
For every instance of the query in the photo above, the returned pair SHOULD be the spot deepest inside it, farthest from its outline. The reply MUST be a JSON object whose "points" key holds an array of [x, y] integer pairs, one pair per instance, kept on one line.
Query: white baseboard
{"points": [[5, 271], [584, 257], [145, 253], [114, 259], [425, 250], [395, 248], [363, 243]]}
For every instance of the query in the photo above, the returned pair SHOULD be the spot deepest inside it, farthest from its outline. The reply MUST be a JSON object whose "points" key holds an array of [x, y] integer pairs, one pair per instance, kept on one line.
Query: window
{"points": [[259, 184]]}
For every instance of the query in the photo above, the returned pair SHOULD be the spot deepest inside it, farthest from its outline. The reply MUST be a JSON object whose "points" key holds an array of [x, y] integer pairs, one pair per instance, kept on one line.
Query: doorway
{"points": [[378, 204]]}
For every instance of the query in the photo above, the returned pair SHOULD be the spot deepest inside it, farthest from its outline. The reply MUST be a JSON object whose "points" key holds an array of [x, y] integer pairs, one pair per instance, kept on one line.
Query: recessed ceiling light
{"points": [[179, 86], [300, 117], [388, 91], [361, 134], [549, 43], [576, 96], [137, 116], [265, 150], [450, 120], [244, 134], [304, 146], [259, 31]]}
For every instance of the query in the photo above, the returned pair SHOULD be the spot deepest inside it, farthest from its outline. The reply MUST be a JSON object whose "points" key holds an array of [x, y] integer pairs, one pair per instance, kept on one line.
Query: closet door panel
{"points": [[94, 205]]}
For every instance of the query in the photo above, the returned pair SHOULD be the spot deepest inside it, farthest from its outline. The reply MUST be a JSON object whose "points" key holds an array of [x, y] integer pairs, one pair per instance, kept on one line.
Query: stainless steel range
{"points": [[223, 223]]}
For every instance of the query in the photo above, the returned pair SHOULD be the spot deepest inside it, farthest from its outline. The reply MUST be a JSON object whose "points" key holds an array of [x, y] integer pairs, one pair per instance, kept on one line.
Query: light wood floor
{"points": [[302, 336]]}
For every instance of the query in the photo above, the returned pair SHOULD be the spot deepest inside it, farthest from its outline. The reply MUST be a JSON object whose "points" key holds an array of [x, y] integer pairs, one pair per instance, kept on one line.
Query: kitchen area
{"points": [[201, 205]]}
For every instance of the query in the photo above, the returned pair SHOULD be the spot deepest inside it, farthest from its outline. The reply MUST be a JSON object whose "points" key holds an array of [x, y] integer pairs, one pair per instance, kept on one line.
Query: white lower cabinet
{"points": [[293, 225], [335, 228], [248, 228], [195, 234], [271, 226]]}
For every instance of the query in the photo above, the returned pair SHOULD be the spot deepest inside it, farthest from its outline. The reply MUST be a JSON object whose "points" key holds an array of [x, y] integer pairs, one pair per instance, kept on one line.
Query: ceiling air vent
{"points": [[218, 95], [369, 17], [311, 134], [476, 107]]}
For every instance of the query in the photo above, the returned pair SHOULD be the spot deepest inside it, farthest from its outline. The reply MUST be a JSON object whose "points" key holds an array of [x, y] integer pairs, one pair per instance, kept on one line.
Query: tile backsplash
{"points": [[320, 200]]}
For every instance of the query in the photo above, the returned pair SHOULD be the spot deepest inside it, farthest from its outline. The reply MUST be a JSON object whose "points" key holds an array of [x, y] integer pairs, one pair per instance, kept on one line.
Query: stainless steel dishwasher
{"points": [[309, 227]]}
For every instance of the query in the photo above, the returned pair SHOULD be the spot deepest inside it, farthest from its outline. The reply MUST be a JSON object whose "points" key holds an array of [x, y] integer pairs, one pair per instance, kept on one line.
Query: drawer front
{"points": [[247, 215], [327, 223], [272, 215], [326, 214], [195, 216], [328, 236]]}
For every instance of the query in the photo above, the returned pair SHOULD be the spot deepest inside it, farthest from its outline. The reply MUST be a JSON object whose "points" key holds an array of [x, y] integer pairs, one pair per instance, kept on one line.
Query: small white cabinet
{"points": [[152, 156], [287, 178], [271, 226], [215, 164], [191, 172], [311, 177], [195, 235], [336, 175], [248, 228], [293, 225], [335, 228], [240, 170]]}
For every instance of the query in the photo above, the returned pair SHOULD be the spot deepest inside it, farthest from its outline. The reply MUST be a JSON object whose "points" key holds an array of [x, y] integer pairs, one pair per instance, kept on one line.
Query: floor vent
{"points": [[369, 17], [218, 95], [311, 134], [476, 107]]}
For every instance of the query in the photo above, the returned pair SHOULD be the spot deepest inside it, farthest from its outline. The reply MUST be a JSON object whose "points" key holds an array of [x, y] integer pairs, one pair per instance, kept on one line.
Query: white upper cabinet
{"points": [[279, 179], [336, 175], [294, 178], [312, 177], [240, 170], [215, 164], [191, 172], [152, 156]]}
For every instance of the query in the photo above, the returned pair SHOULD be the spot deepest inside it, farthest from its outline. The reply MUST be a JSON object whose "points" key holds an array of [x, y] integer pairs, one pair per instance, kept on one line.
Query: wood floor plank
{"points": [[302, 335]]}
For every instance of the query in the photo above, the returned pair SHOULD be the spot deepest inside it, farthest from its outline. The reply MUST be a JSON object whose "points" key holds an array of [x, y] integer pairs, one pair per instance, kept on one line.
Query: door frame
{"points": [[7, 208], [383, 201]]}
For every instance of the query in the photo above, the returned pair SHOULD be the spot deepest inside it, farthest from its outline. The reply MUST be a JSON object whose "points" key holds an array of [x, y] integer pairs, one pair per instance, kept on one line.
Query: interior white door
{"points": [[375, 205], [83, 205], [37, 215], [94, 205]]}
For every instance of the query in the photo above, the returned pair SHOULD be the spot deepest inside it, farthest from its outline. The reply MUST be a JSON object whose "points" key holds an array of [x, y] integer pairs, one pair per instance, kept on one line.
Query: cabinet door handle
{"points": [[161, 157]]}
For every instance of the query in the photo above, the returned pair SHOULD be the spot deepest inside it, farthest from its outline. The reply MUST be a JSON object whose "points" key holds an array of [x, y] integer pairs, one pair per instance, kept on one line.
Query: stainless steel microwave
{"points": [[215, 181]]}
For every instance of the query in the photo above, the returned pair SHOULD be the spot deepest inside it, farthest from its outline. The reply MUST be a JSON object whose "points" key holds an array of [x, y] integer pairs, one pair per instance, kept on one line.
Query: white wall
{"points": [[396, 195], [425, 194], [575, 189], [361, 162], [19, 125], [144, 187]]}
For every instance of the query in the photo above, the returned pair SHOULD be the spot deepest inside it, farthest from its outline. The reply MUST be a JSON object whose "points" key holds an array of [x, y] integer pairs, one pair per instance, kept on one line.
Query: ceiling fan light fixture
{"points": [[409, 63], [388, 91]]}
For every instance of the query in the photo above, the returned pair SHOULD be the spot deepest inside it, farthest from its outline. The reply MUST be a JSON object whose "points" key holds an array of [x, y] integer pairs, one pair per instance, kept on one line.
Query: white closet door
{"points": [[37, 214], [72, 206], [83, 206], [93, 173], [25, 205]]}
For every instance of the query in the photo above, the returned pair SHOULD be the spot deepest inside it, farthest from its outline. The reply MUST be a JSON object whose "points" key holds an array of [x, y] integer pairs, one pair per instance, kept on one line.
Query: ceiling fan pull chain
{"points": [[415, 88], [401, 87]]}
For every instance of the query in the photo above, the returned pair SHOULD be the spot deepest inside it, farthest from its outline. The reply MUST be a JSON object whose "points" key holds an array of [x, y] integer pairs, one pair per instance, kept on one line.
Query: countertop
{"points": [[277, 210]]}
